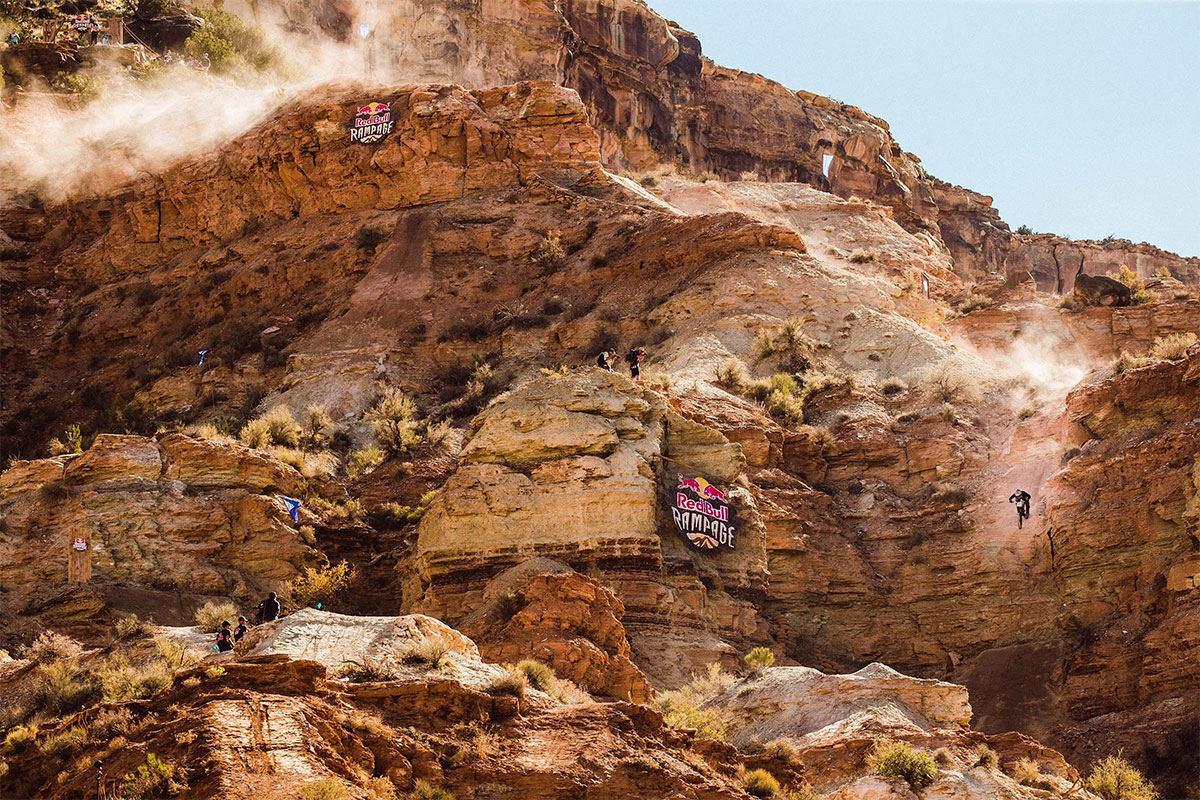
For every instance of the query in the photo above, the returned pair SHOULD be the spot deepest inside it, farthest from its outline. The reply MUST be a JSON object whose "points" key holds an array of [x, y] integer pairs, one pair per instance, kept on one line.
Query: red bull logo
{"points": [[372, 123], [702, 514]]}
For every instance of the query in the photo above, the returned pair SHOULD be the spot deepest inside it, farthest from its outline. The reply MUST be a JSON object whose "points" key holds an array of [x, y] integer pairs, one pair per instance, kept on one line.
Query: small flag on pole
{"points": [[203, 353], [293, 507]]}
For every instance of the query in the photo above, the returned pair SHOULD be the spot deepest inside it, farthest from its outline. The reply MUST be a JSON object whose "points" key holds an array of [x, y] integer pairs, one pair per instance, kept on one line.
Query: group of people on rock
{"points": [[609, 360], [268, 610]]}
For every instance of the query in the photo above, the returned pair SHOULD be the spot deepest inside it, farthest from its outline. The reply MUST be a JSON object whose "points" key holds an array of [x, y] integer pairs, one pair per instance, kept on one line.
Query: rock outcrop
{"points": [[173, 513]]}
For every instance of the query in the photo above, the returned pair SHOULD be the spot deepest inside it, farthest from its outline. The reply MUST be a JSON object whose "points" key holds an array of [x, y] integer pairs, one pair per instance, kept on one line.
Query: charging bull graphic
{"points": [[372, 123], [702, 514]]}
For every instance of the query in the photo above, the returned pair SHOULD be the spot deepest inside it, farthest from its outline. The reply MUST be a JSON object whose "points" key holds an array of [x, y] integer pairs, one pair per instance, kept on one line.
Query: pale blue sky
{"points": [[1081, 118]]}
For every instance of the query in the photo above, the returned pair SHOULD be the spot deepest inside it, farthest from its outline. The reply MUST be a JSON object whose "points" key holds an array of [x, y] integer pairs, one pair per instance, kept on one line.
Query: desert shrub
{"points": [[986, 757], [427, 652], [388, 516], [19, 738], [512, 683], [542, 677], [277, 427], [1163, 272], [894, 759], [760, 783], [120, 680], [732, 374], [550, 253], [210, 615], [109, 723], [1070, 303], [155, 778], [975, 302], [129, 626], [759, 659], [1025, 230], [1174, 346], [317, 424], [71, 442], [367, 670], [947, 383], [950, 493], [61, 688], [368, 723], [505, 608], [64, 744], [368, 238], [325, 789], [1025, 771], [1126, 361], [1114, 778], [146, 294], [424, 790], [862, 257], [892, 387], [942, 757], [392, 417], [381, 788], [321, 584], [782, 750], [785, 406], [1026, 412], [363, 461], [51, 646], [681, 708], [789, 344]]}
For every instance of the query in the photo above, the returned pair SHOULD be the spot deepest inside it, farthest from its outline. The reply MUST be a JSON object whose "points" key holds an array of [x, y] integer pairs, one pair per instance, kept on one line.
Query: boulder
{"points": [[1100, 290]]}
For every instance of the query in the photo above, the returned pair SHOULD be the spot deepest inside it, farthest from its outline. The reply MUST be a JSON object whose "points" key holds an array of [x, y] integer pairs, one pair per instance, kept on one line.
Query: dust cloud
{"points": [[136, 126]]}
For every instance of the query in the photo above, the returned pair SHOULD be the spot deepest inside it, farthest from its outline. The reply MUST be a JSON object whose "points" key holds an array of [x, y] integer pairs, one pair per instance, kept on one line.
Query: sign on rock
{"points": [[372, 123], [701, 512]]}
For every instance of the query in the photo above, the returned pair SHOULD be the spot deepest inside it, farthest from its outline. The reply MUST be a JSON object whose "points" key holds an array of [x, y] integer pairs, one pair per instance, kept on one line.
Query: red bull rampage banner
{"points": [[372, 123], [700, 511]]}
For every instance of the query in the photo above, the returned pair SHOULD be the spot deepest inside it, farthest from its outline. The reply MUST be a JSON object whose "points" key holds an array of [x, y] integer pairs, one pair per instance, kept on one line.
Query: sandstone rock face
{"points": [[173, 513], [573, 624], [797, 702], [1056, 263], [566, 466]]}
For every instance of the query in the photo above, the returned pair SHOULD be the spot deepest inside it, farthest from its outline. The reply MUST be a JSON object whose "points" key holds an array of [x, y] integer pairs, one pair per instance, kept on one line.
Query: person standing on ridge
{"points": [[1021, 498], [268, 610], [634, 359], [606, 358]]}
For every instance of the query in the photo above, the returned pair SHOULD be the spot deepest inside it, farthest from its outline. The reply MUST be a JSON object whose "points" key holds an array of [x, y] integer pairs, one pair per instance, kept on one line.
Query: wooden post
{"points": [[79, 558]]}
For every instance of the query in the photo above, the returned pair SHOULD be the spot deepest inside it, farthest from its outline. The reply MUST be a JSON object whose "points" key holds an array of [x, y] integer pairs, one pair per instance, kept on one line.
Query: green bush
{"points": [[759, 659], [894, 759], [61, 688], [64, 744], [230, 43], [681, 708], [363, 461], [277, 427], [1114, 778], [155, 778], [760, 783], [321, 584], [424, 790]]}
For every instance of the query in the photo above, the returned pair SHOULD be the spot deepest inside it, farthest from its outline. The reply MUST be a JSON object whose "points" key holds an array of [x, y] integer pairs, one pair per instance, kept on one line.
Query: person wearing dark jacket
{"points": [[634, 359], [268, 610], [240, 630], [1021, 498]]}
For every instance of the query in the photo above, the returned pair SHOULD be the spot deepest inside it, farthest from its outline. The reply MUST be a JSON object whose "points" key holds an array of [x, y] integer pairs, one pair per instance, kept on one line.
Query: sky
{"points": [[1078, 117]]}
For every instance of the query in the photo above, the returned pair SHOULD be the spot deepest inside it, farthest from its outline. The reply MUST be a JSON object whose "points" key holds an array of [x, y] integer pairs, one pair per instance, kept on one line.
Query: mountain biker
{"points": [[1021, 498]]}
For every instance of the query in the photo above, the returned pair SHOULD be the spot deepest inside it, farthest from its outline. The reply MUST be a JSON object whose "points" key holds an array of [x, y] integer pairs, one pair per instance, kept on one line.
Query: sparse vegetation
{"points": [[51, 646], [276, 427], [325, 789], [231, 44], [1026, 771], [550, 253], [894, 759], [369, 238], [759, 659], [1026, 412], [942, 757], [681, 708], [947, 383], [760, 783], [950, 493], [975, 302], [788, 344], [512, 683], [155, 778], [1126, 361], [1139, 294], [782, 750], [862, 257], [1114, 778], [321, 584], [1025, 230], [986, 757], [732, 374], [1173, 346], [542, 677], [892, 387], [424, 790], [430, 652], [64, 744], [363, 461], [393, 418], [210, 615], [71, 442]]}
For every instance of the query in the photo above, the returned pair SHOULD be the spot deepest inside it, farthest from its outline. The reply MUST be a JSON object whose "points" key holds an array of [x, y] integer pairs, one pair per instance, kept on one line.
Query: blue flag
{"points": [[293, 507], [203, 353]]}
